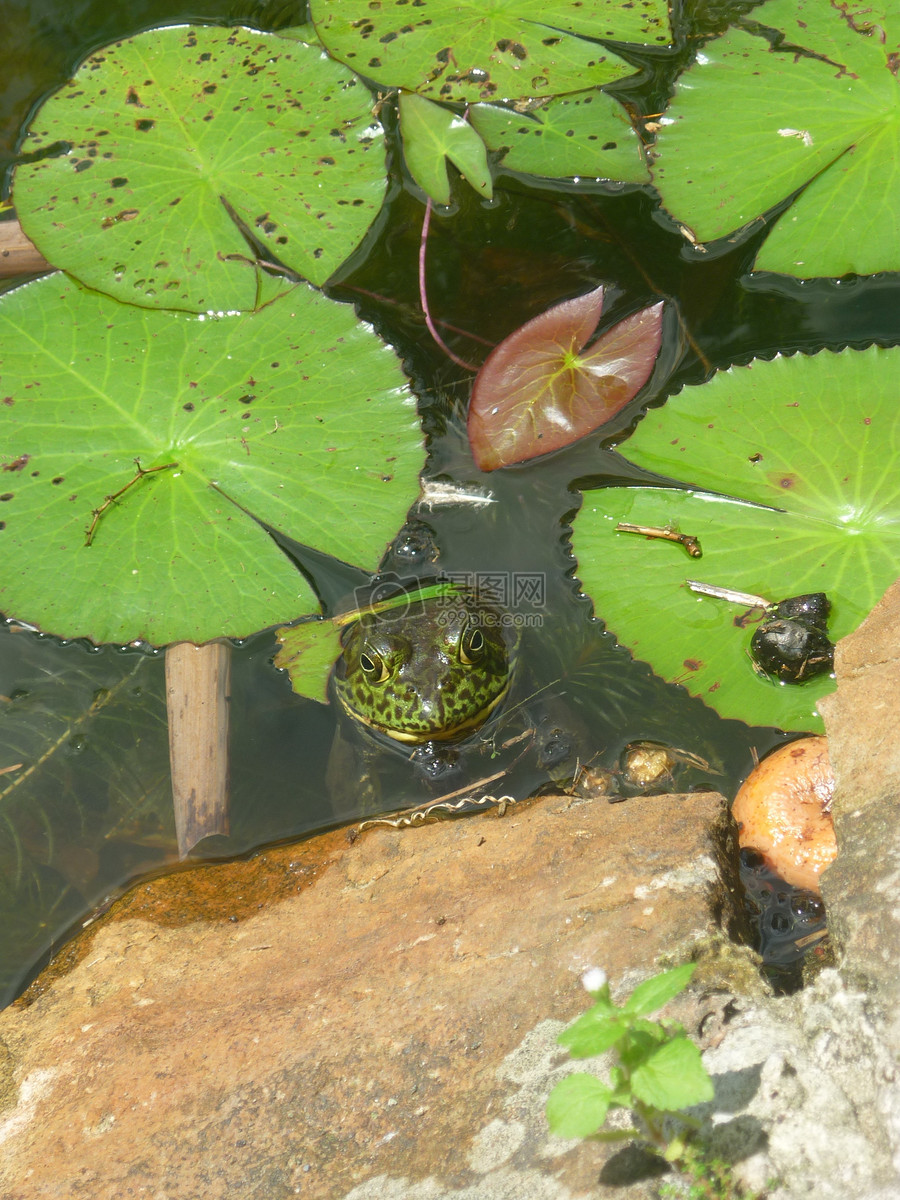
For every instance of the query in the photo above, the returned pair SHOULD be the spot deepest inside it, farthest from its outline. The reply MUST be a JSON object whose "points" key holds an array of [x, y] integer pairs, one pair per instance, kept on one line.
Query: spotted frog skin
{"points": [[433, 674]]}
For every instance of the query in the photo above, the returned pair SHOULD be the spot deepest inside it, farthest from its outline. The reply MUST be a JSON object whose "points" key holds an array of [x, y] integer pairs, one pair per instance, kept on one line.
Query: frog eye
{"points": [[471, 646], [374, 666]]}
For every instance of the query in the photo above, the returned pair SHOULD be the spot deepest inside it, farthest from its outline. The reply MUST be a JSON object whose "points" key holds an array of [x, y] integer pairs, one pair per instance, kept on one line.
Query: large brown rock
{"points": [[386, 1030]]}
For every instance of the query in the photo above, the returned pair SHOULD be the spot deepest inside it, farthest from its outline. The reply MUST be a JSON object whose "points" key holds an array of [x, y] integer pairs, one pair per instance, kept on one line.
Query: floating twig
{"points": [[668, 533], [747, 599], [97, 513]]}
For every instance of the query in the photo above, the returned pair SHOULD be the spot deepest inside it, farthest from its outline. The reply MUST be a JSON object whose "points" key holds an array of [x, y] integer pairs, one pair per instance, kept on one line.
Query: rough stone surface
{"points": [[387, 1031], [795, 1106], [818, 1074], [862, 889]]}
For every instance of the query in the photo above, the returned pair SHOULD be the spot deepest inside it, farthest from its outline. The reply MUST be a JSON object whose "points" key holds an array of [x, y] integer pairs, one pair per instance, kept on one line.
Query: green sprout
{"points": [[658, 1073]]}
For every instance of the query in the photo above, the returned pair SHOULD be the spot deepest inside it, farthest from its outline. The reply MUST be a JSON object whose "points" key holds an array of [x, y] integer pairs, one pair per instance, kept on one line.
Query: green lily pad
{"points": [[296, 414], [431, 135], [750, 124], [586, 135], [814, 438], [165, 141], [472, 51]]}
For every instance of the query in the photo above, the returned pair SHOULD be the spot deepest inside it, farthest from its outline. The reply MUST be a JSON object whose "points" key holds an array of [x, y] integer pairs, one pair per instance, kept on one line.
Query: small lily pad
{"points": [[146, 163], [587, 135], [802, 453], [469, 51], [139, 445], [752, 122], [431, 135]]}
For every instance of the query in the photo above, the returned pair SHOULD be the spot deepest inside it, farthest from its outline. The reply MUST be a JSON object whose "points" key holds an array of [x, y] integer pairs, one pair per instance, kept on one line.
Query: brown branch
{"points": [[97, 513]]}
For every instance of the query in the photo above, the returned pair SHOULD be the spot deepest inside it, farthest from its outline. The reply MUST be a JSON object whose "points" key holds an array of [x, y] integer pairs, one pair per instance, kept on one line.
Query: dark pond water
{"points": [[91, 809]]}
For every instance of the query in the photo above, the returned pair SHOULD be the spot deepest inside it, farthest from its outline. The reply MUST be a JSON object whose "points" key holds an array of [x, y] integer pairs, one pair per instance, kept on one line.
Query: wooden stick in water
{"points": [[18, 256], [198, 687]]}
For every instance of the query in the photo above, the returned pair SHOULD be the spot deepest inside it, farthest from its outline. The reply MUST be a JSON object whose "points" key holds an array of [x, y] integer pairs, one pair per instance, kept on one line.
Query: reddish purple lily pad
{"points": [[538, 391]]}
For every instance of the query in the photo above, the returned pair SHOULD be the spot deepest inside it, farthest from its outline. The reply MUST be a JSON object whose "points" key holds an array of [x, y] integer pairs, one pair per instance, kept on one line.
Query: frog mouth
{"points": [[447, 733]]}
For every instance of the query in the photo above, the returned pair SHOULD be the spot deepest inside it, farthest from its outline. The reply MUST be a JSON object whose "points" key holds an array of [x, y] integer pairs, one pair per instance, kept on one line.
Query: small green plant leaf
{"points": [[307, 653], [148, 161], [578, 1105], [587, 135], [470, 51], [819, 110], [432, 134], [653, 994], [593, 1032], [643, 1039], [672, 1077], [169, 550], [814, 439], [540, 390]]}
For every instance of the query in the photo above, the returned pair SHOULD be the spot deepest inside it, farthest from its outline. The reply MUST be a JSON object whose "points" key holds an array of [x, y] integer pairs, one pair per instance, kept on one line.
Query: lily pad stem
{"points": [[423, 295]]}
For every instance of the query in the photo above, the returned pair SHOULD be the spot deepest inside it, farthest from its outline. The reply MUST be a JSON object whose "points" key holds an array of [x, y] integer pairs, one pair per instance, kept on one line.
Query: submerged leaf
{"points": [[84, 774], [147, 163], [751, 123], [540, 391], [432, 134], [816, 441]]}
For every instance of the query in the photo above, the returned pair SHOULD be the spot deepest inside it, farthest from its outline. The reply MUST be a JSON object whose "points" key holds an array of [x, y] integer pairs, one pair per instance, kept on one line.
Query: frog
{"points": [[436, 702], [418, 686], [433, 674]]}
